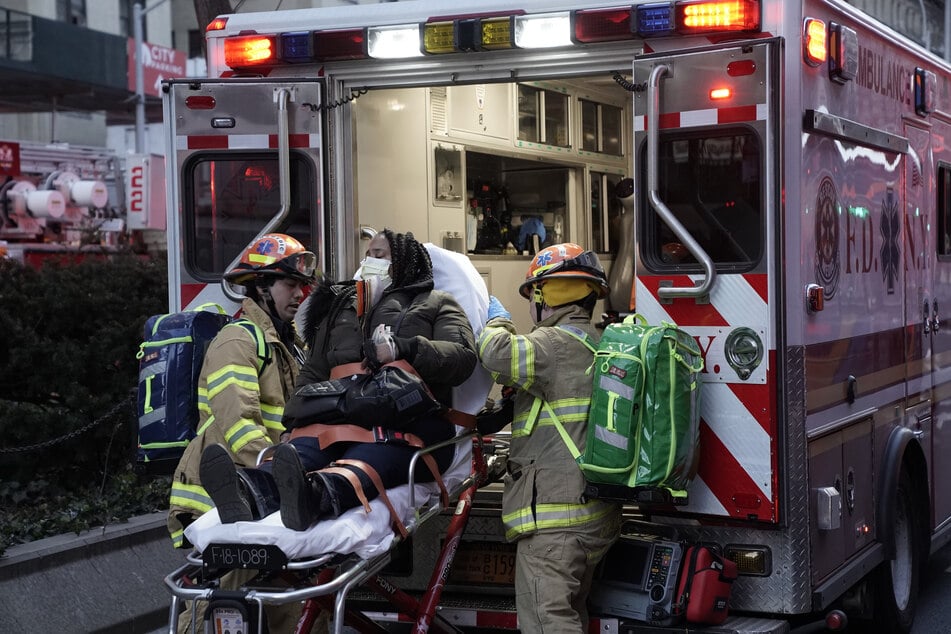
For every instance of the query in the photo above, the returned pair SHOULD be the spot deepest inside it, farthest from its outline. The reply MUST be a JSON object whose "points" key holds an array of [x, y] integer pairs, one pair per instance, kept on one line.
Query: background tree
{"points": [[208, 10]]}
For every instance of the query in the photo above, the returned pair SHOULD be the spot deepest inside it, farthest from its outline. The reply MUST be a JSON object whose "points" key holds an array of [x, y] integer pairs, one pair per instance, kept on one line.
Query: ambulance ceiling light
{"points": [[814, 49], [394, 42], [547, 30], [497, 33], [440, 37], [297, 46], [217, 24], [926, 84], [340, 44], [843, 53], [653, 20], [601, 25], [709, 16], [243, 51]]}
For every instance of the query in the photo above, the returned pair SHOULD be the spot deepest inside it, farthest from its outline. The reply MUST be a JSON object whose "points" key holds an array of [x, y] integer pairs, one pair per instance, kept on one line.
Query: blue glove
{"points": [[496, 309]]}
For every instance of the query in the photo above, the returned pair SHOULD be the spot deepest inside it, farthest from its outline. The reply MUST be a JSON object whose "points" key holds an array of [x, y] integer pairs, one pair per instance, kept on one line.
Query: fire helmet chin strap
{"points": [[539, 301]]}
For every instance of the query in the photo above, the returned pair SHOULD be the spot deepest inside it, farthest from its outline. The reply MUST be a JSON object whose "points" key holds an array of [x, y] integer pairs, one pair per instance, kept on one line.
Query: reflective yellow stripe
{"points": [[522, 368], [568, 410], [178, 538], [243, 432], [272, 415], [203, 405], [549, 516], [190, 496], [240, 375], [206, 425]]}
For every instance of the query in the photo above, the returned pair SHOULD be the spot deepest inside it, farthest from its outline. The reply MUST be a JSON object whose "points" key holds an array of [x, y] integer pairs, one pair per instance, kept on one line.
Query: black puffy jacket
{"points": [[434, 334]]}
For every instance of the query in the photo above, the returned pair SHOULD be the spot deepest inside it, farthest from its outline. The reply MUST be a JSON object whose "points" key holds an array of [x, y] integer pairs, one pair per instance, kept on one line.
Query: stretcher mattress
{"points": [[355, 531]]}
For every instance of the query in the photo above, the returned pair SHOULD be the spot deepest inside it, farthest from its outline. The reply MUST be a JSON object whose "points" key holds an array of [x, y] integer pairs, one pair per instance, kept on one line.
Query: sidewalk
{"points": [[107, 580]]}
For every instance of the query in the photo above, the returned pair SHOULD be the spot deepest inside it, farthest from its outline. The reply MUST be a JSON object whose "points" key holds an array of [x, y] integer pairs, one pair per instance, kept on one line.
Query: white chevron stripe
{"points": [[737, 301], [743, 436], [649, 306], [702, 500], [212, 294]]}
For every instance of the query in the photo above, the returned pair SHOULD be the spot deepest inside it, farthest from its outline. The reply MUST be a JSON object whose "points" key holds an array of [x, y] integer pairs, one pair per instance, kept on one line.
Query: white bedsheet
{"points": [[366, 534]]}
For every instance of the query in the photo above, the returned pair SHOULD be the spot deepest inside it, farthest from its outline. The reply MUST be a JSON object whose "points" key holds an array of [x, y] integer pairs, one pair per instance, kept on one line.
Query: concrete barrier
{"points": [[107, 580]]}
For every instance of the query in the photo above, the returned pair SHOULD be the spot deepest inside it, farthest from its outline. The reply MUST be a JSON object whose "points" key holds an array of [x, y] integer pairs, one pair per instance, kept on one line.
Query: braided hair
{"points": [[410, 261], [410, 266]]}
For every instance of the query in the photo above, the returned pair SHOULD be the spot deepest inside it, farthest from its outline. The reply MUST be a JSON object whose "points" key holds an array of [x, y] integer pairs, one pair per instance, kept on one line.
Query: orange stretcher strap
{"points": [[327, 435], [380, 489]]}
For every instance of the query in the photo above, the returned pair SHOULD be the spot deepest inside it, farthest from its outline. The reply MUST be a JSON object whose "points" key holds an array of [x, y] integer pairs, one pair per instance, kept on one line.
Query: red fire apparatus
{"points": [[791, 208]]}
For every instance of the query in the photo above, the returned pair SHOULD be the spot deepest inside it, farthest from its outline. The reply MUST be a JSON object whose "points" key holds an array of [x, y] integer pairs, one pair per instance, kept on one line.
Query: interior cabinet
{"points": [[482, 109]]}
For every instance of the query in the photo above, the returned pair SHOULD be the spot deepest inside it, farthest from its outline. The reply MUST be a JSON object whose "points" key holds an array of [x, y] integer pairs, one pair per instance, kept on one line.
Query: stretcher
{"points": [[321, 566]]}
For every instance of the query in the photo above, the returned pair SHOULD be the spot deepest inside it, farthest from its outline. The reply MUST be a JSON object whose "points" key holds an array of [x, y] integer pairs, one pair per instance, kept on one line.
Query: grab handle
{"points": [[661, 209]]}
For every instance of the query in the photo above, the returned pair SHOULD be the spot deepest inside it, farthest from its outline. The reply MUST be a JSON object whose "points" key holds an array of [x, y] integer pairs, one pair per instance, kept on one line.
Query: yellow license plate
{"points": [[483, 563]]}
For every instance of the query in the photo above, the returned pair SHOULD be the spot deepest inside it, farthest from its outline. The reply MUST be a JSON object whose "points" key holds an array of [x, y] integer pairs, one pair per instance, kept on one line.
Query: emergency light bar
{"points": [[473, 33]]}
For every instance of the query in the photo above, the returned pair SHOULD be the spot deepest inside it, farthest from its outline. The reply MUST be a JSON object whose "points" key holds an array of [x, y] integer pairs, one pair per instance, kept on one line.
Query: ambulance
{"points": [[773, 177]]}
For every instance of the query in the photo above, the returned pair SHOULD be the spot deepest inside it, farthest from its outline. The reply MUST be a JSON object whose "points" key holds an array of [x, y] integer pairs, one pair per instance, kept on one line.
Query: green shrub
{"points": [[68, 372]]}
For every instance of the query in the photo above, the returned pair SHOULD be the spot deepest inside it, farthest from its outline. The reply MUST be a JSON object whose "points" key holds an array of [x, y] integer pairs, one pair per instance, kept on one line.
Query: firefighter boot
{"points": [[305, 498], [260, 491], [220, 479]]}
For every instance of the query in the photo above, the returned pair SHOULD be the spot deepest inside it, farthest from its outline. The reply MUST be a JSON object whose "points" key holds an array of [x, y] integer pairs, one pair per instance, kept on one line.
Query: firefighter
{"points": [[560, 535], [394, 314], [240, 402]]}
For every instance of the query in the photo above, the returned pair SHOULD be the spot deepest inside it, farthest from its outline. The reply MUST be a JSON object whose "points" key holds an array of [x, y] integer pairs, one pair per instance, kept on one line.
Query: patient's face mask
{"points": [[373, 267]]}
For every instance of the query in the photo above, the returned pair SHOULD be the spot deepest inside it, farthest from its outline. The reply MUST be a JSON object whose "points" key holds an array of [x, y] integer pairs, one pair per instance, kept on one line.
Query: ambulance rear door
{"points": [[244, 157], [705, 152]]}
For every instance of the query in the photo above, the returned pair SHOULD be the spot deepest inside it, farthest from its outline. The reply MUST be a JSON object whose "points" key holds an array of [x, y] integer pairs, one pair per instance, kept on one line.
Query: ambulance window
{"points": [[542, 116], [944, 211], [712, 184], [600, 127], [229, 197]]}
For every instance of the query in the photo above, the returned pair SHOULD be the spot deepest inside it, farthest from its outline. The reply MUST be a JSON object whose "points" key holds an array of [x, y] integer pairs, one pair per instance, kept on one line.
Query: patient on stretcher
{"points": [[391, 312]]}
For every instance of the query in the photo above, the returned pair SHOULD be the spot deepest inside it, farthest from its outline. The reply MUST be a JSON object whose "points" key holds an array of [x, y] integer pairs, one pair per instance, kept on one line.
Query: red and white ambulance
{"points": [[791, 208]]}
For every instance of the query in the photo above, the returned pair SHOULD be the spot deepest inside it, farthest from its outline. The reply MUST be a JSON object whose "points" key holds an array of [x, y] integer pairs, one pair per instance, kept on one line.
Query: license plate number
{"points": [[484, 563], [255, 556]]}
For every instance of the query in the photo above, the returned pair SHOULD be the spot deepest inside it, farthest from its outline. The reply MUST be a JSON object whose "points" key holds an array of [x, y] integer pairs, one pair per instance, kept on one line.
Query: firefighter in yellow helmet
{"points": [[560, 535], [248, 373]]}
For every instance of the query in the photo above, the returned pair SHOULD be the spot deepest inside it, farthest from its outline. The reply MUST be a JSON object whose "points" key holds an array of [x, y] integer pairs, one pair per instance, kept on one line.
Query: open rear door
{"points": [[703, 162], [244, 157]]}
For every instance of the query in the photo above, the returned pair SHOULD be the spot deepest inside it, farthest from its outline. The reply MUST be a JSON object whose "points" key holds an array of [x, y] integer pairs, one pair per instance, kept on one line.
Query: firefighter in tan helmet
{"points": [[560, 536], [248, 373]]}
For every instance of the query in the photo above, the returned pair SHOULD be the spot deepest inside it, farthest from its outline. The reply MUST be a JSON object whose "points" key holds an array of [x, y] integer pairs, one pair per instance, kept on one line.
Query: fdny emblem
{"points": [[827, 237], [891, 233]]}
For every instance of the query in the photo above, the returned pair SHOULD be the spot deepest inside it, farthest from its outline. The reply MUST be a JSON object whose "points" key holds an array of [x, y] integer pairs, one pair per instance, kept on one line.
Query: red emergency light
{"points": [[704, 16], [601, 25], [814, 47], [250, 50], [217, 24]]}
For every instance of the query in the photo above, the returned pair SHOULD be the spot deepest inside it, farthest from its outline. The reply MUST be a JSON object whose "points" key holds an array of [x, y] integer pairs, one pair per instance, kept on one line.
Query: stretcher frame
{"points": [[332, 576]]}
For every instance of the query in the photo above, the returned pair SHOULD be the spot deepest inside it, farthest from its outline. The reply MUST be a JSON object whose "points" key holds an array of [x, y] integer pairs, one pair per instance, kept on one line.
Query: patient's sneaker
{"points": [[220, 479], [302, 495]]}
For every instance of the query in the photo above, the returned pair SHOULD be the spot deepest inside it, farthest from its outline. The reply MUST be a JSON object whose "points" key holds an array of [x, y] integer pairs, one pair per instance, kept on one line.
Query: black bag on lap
{"points": [[391, 397]]}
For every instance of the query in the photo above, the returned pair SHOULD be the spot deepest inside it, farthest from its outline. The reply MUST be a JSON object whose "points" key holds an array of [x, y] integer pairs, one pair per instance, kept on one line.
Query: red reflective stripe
{"points": [[736, 114], [294, 140], [506, 620], [207, 142], [669, 120]]}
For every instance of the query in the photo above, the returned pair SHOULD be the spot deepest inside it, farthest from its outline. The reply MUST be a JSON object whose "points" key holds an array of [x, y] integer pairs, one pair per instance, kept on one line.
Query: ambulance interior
{"points": [[496, 171]]}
